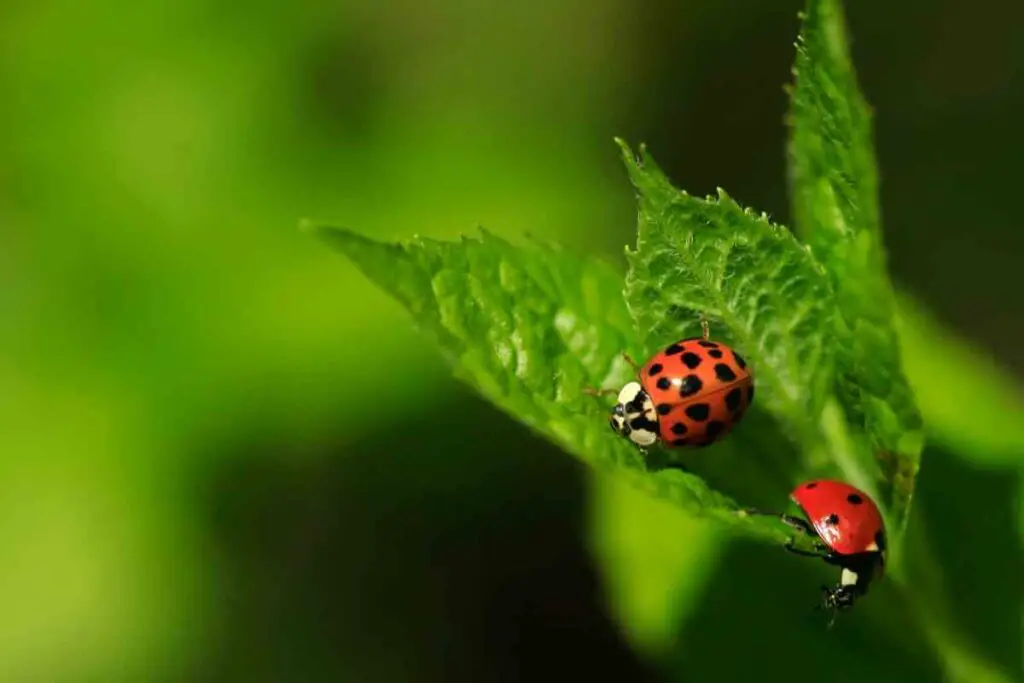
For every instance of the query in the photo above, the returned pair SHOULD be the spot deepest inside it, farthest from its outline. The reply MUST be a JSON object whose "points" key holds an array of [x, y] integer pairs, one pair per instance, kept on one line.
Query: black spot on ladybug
{"points": [[664, 409], [679, 428], [855, 499], [733, 399], [812, 485], [724, 373], [664, 383], [832, 519], [673, 350], [690, 386], [880, 539], [750, 394], [707, 344], [698, 411], [691, 360], [679, 442], [714, 429], [739, 360], [715, 353], [644, 423], [637, 404], [654, 369]]}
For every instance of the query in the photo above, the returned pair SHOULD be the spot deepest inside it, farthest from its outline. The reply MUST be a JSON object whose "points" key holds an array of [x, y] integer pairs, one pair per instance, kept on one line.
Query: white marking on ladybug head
{"points": [[848, 578], [872, 547], [633, 416], [642, 437], [629, 392]]}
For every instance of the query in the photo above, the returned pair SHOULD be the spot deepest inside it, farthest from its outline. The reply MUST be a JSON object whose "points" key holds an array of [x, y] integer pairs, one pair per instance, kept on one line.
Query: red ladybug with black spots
{"points": [[692, 393], [849, 533]]}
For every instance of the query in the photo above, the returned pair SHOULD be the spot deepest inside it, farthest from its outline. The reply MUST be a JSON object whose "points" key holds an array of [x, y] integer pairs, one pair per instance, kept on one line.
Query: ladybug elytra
{"points": [[691, 393], [849, 532]]}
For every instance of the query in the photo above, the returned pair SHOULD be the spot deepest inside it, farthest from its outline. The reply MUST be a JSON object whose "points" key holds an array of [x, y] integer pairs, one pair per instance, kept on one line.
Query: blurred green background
{"points": [[224, 456]]}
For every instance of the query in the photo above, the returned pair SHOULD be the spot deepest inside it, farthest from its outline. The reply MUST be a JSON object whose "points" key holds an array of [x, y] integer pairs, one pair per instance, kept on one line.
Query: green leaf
{"points": [[530, 329], [946, 372], [762, 291], [834, 188]]}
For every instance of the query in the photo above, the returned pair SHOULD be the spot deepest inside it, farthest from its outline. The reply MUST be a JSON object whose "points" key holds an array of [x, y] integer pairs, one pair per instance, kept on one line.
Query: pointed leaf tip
{"points": [[625, 149], [333, 235]]}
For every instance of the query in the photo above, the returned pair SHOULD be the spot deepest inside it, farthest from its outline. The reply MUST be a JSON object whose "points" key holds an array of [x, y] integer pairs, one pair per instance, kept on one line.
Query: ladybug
{"points": [[691, 393], [849, 532]]}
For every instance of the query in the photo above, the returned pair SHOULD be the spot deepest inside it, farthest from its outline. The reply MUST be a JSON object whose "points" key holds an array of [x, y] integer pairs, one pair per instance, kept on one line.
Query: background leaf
{"points": [[531, 328], [945, 370], [656, 560], [834, 189]]}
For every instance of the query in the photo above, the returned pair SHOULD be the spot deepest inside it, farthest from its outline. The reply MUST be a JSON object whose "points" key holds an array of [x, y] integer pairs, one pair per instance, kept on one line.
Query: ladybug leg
{"points": [[800, 525], [705, 328], [804, 553]]}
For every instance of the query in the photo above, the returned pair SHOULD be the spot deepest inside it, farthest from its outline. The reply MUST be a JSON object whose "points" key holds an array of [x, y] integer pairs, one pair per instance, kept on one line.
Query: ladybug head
{"points": [[836, 600], [633, 415], [853, 583], [839, 598]]}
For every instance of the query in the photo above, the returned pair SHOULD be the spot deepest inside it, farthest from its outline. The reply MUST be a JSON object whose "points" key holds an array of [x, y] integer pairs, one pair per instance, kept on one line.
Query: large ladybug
{"points": [[849, 532], [692, 393]]}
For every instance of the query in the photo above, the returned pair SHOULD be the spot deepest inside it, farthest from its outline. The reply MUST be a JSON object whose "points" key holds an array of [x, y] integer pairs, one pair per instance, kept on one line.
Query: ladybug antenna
{"points": [[830, 601]]}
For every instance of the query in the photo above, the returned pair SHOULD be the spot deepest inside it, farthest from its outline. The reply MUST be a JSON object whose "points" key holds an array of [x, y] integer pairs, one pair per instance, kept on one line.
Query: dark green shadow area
{"points": [[447, 548], [971, 518], [756, 622]]}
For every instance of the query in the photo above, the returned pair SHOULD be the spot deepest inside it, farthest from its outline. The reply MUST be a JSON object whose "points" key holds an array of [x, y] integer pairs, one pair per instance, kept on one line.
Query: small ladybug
{"points": [[850, 534], [692, 393]]}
